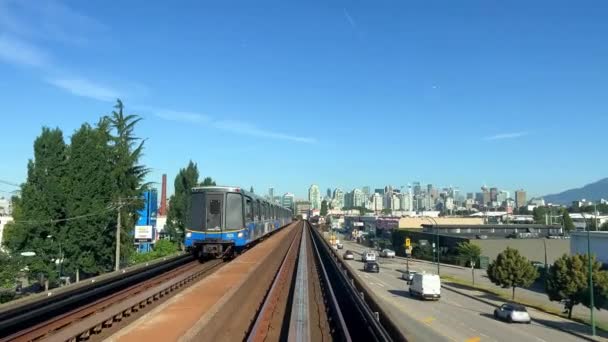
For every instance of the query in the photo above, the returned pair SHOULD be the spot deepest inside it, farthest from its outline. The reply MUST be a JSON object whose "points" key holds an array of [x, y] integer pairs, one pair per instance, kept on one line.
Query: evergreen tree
{"points": [[88, 242], [568, 279], [251, 189], [128, 175], [567, 221], [208, 181], [511, 269], [179, 203], [323, 208], [539, 214], [40, 212]]}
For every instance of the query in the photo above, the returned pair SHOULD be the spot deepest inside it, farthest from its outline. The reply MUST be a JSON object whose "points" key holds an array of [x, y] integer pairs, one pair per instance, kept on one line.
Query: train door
{"points": [[214, 217]]}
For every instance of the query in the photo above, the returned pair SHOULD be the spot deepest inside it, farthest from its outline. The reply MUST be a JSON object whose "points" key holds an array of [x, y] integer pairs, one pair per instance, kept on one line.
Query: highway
{"points": [[453, 318]]}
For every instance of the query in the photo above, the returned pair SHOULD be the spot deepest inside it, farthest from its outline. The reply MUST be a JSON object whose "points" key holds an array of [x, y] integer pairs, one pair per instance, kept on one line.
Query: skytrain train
{"points": [[226, 220]]}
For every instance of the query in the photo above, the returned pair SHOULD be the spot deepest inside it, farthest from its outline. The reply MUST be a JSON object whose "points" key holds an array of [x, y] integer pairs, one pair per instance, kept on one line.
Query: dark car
{"points": [[371, 266]]}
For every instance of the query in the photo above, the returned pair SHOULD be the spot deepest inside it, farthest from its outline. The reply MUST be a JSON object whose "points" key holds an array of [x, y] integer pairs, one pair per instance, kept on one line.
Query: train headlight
{"points": [[188, 235], [240, 234]]}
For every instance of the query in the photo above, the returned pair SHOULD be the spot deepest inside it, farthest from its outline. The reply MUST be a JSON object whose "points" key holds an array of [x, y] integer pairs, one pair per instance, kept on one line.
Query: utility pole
{"points": [[117, 256]]}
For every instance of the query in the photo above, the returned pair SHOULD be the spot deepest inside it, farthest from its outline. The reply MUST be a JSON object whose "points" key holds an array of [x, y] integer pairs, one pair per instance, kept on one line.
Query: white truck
{"points": [[368, 256], [426, 286]]}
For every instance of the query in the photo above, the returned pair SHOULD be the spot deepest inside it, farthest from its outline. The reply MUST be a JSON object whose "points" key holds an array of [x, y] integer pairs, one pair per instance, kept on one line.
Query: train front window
{"points": [[214, 212], [197, 212]]}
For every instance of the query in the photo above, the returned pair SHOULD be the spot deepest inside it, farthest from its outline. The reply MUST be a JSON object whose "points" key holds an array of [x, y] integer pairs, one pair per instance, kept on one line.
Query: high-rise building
{"points": [[377, 202], [289, 201], [520, 198], [338, 199], [270, 193], [417, 188], [357, 198], [328, 193], [395, 202], [303, 207], [502, 197], [366, 191], [470, 195], [493, 194], [314, 197], [379, 191]]}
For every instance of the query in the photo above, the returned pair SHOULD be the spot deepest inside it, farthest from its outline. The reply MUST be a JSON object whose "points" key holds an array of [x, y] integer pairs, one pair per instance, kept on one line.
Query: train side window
{"points": [[248, 209], [234, 211], [258, 210]]}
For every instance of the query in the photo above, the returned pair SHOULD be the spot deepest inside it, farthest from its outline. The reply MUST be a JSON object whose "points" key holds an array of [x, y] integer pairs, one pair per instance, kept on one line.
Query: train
{"points": [[225, 220]]}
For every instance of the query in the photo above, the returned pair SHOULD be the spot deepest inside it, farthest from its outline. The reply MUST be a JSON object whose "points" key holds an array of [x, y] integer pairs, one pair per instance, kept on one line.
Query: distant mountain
{"points": [[591, 192]]}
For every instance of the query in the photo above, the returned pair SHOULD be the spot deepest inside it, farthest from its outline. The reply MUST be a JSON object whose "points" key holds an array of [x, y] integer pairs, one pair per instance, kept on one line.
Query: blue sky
{"points": [[342, 93]]}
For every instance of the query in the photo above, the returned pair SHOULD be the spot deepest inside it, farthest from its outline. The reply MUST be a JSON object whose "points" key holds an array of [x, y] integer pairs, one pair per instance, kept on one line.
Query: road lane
{"points": [[454, 317]]}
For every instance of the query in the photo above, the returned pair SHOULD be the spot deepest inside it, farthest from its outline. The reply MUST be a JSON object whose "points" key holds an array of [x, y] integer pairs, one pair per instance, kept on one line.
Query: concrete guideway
{"points": [[221, 306], [454, 317]]}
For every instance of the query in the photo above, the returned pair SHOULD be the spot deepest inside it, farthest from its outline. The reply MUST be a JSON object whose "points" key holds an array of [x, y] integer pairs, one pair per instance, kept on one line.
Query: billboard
{"points": [[143, 232]]}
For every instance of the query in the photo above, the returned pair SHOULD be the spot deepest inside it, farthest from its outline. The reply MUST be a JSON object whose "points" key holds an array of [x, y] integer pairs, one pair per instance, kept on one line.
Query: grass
{"points": [[506, 295]]}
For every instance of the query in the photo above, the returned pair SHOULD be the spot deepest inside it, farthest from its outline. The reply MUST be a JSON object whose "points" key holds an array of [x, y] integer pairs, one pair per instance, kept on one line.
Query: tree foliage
{"points": [[208, 181], [469, 251], [539, 214], [511, 269], [323, 208], [128, 175], [178, 215], [568, 279], [162, 248], [41, 209], [68, 204], [8, 270], [567, 221]]}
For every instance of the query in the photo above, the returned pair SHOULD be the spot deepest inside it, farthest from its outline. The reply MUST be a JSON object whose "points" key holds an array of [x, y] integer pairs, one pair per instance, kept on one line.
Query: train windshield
{"points": [[207, 211]]}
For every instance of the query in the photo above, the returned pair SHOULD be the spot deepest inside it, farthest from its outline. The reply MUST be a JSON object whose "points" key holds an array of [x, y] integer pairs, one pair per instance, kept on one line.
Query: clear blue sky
{"points": [[340, 93]]}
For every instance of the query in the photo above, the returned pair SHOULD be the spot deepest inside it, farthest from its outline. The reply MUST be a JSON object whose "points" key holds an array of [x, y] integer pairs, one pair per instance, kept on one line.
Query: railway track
{"points": [[95, 312], [312, 299]]}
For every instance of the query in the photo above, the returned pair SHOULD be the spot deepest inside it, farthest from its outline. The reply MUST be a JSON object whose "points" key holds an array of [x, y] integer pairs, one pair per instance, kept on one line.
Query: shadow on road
{"points": [[574, 327], [487, 315], [401, 293]]}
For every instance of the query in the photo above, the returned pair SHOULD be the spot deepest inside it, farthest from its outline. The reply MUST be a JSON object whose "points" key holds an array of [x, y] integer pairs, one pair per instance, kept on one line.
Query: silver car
{"points": [[512, 313], [387, 253], [408, 276]]}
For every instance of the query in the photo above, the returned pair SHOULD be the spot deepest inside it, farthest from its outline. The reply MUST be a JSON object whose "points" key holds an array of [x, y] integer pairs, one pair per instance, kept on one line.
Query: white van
{"points": [[426, 286], [368, 256]]}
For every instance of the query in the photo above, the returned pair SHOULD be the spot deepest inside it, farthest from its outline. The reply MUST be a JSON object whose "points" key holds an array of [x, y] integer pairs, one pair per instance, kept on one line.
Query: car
{"points": [[368, 256], [387, 253], [348, 255], [408, 276], [340, 245], [371, 266], [512, 313], [334, 247]]}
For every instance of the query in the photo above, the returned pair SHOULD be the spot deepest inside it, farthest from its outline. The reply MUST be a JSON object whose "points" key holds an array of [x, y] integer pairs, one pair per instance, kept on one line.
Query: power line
{"points": [[10, 183], [109, 208]]}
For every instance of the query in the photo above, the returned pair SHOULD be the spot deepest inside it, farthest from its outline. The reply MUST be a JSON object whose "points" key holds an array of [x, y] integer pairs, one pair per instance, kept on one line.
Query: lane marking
{"points": [[380, 285], [427, 320], [473, 339]]}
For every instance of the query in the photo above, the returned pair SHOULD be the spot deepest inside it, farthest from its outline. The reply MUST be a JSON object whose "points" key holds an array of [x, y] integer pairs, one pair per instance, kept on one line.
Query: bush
{"points": [[7, 295], [162, 248]]}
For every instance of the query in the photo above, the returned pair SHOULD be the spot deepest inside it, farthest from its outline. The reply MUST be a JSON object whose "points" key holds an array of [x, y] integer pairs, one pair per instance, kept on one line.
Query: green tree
{"points": [[387, 211], [567, 221], [179, 203], [8, 270], [470, 252], [128, 175], [208, 181], [539, 214], [604, 226], [41, 210], [511, 269], [323, 208], [87, 242], [568, 279]]}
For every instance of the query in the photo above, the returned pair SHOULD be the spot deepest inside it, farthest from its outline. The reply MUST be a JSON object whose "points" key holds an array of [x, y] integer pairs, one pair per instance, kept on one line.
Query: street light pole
{"points": [[591, 299], [436, 241]]}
